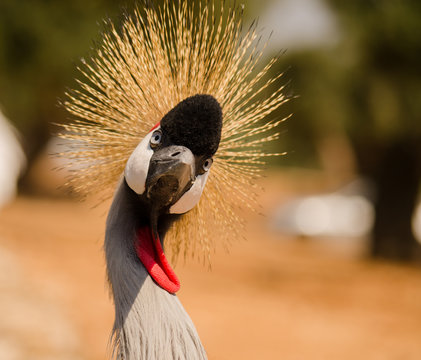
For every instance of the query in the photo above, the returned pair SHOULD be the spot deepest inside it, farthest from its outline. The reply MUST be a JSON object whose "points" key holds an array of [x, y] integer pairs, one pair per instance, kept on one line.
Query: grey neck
{"points": [[149, 322]]}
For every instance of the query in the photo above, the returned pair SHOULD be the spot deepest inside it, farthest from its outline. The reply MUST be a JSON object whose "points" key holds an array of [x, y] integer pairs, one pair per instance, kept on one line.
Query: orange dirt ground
{"points": [[272, 297]]}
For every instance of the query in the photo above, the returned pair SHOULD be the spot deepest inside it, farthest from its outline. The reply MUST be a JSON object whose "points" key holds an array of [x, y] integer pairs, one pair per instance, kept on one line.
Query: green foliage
{"points": [[368, 85], [40, 43]]}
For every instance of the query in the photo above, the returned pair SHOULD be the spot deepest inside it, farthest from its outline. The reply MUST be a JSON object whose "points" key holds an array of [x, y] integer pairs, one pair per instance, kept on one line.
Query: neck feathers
{"points": [[149, 323]]}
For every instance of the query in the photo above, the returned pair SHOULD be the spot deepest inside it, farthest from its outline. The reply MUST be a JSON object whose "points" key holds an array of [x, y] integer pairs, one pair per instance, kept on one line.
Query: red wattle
{"points": [[150, 253]]}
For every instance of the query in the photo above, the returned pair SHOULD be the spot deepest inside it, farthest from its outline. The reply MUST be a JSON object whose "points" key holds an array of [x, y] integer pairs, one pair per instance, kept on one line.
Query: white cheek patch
{"points": [[189, 199], [137, 166]]}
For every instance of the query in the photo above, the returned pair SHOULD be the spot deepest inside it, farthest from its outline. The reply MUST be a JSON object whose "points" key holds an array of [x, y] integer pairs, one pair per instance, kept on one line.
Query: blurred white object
{"points": [[416, 223], [346, 213], [300, 24], [12, 161]]}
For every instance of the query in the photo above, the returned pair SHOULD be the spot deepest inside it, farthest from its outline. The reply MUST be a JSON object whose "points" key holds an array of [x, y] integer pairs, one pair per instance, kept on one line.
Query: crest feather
{"points": [[158, 58]]}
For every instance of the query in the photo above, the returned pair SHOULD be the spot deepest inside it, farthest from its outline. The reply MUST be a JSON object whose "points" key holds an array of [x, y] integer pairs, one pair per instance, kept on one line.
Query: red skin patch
{"points": [[150, 253], [155, 126]]}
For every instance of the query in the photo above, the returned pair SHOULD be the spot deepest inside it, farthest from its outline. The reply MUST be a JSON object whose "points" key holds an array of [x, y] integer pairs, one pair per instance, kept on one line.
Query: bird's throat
{"points": [[150, 252]]}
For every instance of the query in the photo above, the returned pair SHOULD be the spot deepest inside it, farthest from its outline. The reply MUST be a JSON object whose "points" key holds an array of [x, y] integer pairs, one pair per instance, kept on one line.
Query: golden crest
{"points": [[139, 72]]}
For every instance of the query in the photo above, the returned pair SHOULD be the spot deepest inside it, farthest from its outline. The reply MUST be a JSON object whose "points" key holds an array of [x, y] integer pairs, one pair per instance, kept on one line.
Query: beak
{"points": [[170, 175]]}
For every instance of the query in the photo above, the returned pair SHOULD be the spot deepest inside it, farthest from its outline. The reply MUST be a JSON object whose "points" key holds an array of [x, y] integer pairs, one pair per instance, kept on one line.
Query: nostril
{"points": [[176, 153]]}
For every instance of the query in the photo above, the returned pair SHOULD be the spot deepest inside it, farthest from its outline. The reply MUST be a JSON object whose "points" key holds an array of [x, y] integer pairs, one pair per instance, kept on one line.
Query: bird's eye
{"points": [[156, 138], [207, 164]]}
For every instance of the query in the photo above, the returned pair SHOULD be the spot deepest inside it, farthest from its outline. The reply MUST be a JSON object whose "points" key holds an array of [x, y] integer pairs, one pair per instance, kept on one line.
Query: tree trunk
{"points": [[397, 179]]}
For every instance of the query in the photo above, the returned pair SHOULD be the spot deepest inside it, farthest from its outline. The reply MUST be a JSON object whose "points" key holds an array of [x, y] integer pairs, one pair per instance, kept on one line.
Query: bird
{"points": [[164, 176], [170, 113]]}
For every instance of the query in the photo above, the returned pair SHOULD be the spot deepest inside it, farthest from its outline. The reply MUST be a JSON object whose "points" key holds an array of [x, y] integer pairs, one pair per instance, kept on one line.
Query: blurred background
{"points": [[331, 270]]}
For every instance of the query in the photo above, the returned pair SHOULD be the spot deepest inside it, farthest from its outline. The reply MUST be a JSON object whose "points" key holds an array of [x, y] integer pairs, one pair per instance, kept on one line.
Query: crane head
{"points": [[170, 166]]}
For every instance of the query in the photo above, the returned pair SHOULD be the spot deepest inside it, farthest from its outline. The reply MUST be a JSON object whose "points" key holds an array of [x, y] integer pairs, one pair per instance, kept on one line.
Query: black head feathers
{"points": [[196, 123]]}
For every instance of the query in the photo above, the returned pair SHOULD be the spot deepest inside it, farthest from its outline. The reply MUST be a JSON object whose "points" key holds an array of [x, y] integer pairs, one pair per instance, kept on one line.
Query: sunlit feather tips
{"points": [[141, 70]]}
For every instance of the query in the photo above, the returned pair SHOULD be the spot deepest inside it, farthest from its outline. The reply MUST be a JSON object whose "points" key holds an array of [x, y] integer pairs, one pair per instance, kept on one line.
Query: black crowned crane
{"points": [[170, 101]]}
